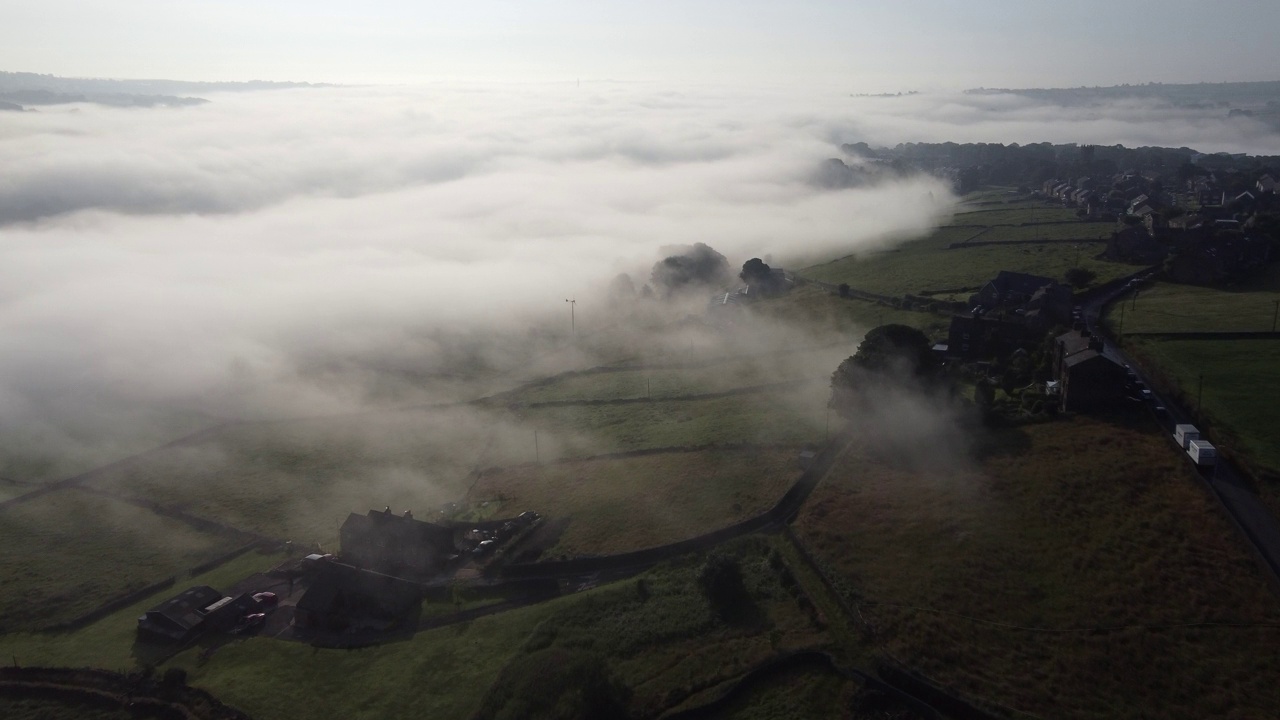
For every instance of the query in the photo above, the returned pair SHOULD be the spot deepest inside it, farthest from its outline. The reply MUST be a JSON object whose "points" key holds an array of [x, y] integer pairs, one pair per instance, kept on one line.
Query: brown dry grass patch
{"points": [[622, 504], [1077, 523]]}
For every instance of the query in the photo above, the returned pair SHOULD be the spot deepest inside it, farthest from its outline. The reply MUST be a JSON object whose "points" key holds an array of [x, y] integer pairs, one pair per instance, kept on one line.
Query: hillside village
{"points": [[700, 461]]}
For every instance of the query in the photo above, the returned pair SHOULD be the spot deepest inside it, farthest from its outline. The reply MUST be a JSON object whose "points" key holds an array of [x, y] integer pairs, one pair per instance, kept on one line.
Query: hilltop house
{"points": [[396, 544], [180, 618], [1009, 288], [1087, 379], [975, 337]]}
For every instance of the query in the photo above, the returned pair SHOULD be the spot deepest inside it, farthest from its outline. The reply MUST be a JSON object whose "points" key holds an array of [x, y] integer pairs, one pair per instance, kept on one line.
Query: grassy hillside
{"points": [[985, 570], [1241, 382], [65, 553], [1241, 388], [926, 265], [845, 318], [663, 642], [632, 503], [111, 642], [1169, 307]]}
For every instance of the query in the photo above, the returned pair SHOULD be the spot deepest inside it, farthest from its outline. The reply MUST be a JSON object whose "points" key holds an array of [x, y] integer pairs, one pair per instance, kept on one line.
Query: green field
{"points": [[927, 265], [1241, 377], [298, 479], [632, 503], [969, 567], [1241, 389], [846, 319], [794, 694], [45, 709], [111, 643], [664, 644], [1073, 231], [792, 417], [1169, 307], [731, 373], [65, 553], [1032, 212]]}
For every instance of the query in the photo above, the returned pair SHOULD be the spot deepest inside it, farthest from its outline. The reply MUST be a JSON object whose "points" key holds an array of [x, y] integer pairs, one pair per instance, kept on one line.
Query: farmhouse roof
{"points": [[1021, 283], [1073, 342], [1089, 357], [184, 607], [181, 614]]}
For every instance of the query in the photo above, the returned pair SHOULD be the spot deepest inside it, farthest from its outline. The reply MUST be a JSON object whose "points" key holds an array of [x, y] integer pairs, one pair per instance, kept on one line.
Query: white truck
{"points": [[1184, 434], [1202, 452]]}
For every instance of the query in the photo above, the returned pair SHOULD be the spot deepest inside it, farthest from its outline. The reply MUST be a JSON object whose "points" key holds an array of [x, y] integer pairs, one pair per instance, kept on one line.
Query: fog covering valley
{"points": [[334, 251]]}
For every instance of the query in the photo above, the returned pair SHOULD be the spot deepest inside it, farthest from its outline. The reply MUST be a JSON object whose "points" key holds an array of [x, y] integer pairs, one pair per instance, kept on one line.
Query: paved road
{"points": [[1254, 520]]}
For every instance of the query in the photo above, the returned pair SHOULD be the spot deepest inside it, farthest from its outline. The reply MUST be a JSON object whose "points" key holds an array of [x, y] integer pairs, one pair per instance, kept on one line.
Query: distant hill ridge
{"points": [[1255, 94], [27, 89]]}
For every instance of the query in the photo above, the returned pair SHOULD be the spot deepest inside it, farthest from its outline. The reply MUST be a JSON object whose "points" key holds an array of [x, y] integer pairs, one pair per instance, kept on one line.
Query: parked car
{"points": [[249, 623], [266, 599]]}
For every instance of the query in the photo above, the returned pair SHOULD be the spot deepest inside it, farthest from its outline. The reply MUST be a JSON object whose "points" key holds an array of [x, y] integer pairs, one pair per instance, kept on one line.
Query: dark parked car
{"points": [[249, 623]]}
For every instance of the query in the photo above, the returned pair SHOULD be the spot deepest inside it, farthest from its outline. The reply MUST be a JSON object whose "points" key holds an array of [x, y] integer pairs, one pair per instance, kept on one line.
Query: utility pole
{"points": [[573, 325], [537, 456], [1275, 315]]}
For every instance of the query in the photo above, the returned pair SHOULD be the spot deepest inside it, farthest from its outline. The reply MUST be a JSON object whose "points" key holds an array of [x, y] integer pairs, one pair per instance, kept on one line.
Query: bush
{"points": [[556, 683], [721, 582]]}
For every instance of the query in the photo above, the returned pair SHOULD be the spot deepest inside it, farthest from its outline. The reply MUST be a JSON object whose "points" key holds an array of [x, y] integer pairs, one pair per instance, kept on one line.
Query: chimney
{"points": [[386, 510], [408, 514], [1097, 345]]}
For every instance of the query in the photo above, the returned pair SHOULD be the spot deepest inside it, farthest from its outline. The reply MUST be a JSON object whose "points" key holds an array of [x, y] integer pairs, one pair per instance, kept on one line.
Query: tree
{"points": [[693, 267], [843, 289], [896, 347], [1079, 277], [894, 352], [721, 582]]}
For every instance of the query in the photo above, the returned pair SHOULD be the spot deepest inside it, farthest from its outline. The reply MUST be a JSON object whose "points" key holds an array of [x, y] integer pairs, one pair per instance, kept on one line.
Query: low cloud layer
{"points": [[288, 251]]}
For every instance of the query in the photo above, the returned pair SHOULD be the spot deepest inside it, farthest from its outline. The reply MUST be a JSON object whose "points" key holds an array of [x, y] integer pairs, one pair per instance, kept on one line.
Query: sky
{"points": [[854, 44]]}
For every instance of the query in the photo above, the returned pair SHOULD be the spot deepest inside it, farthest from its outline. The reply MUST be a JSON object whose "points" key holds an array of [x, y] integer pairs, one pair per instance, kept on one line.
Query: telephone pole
{"points": [[573, 325]]}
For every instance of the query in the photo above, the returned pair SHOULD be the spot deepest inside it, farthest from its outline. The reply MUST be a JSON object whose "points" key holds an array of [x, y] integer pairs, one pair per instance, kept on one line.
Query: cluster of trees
{"points": [[697, 268], [898, 353]]}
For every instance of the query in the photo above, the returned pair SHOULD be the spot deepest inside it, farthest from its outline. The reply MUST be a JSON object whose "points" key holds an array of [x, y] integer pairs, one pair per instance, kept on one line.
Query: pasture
{"points": [[926, 265], [67, 552], [1169, 307], [1240, 389], [111, 642], [624, 504]]}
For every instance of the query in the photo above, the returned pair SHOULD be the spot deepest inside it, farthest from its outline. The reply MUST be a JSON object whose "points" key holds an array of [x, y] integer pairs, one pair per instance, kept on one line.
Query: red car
{"points": [[266, 599]]}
